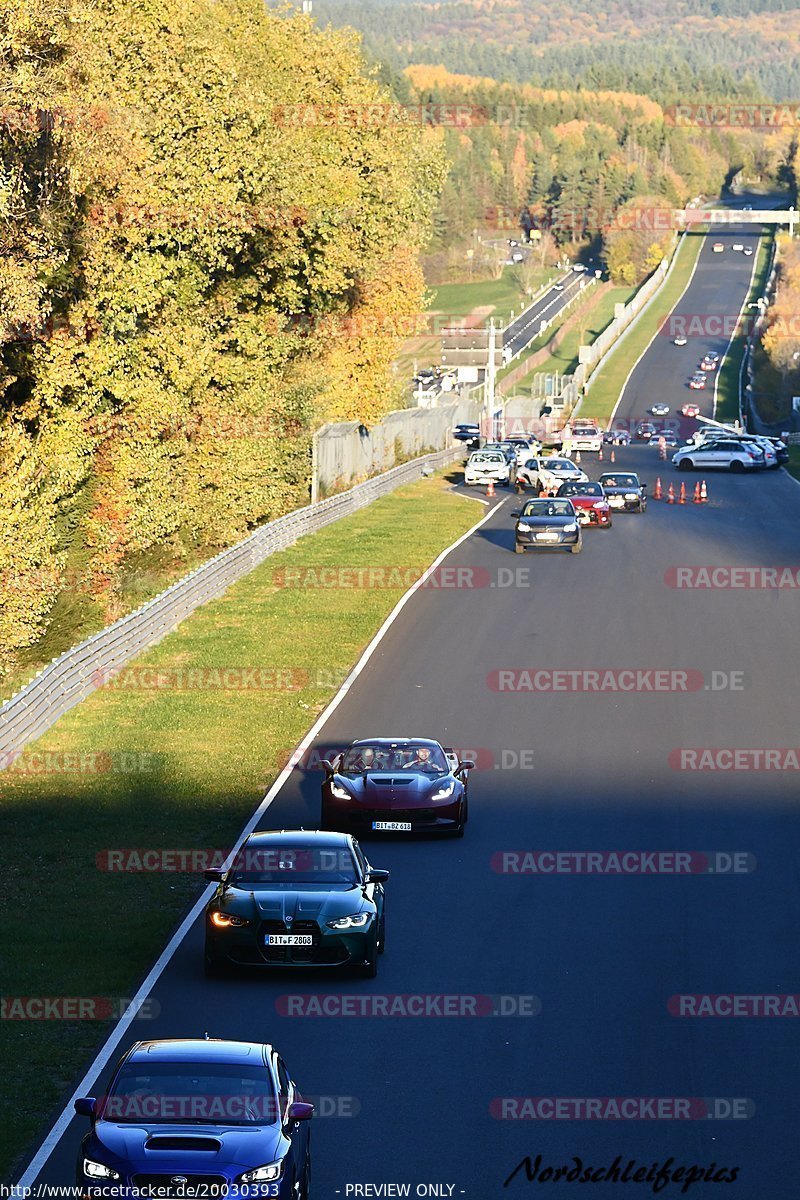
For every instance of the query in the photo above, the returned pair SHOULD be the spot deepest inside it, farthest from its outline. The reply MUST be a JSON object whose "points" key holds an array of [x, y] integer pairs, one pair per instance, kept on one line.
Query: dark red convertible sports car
{"points": [[395, 785]]}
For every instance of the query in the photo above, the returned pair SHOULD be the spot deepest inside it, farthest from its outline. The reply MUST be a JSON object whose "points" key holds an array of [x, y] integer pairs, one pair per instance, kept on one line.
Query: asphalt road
{"points": [[565, 771], [528, 324]]}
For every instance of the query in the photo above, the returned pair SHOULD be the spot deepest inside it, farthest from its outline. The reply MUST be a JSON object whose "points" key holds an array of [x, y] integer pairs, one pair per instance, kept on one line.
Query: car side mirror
{"points": [[298, 1110], [327, 766], [86, 1106], [213, 875], [376, 876], [515, 513], [466, 765], [644, 487]]}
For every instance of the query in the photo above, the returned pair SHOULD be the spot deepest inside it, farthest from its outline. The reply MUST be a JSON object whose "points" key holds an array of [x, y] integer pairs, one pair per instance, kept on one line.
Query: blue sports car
{"points": [[194, 1119]]}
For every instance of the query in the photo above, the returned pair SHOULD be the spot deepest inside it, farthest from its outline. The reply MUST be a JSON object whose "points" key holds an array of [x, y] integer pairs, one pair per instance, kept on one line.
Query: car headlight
{"points": [[266, 1174], [339, 792], [96, 1170], [355, 921], [446, 790], [631, 495], [224, 920], [571, 528], [523, 527]]}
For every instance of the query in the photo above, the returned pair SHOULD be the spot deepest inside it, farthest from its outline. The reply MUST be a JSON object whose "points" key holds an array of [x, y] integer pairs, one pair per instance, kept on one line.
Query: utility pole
{"points": [[489, 385]]}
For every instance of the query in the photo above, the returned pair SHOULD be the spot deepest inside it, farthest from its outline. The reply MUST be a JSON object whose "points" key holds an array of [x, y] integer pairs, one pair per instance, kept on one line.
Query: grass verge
{"points": [[609, 379], [152, 767], [503, 295], [793, 465]]}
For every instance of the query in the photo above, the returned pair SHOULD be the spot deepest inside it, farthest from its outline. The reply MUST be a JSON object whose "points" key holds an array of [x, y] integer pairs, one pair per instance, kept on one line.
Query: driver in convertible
{"points": [[421, 761]]}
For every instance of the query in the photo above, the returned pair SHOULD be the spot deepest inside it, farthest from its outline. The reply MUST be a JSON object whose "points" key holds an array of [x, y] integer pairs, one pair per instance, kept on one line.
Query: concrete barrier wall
{"points": [[348, 453]]}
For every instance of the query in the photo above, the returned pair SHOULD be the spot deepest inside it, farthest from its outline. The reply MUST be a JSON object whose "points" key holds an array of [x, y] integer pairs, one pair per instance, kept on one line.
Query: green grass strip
{"points": [[143, 767]]}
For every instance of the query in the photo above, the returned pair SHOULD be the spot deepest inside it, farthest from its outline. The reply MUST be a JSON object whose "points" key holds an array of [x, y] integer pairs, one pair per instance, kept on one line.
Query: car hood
{"points": [[401, 787], [586, 501], [236, 1146], [313, 903]]}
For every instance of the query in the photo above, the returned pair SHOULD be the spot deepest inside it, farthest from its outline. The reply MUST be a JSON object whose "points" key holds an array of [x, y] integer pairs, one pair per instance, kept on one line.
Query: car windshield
{"points": [[547, 508], [288, 864], [408, 757], [486, 458], [559, 464], [183, 1093], [619, 481], [580, 489]]}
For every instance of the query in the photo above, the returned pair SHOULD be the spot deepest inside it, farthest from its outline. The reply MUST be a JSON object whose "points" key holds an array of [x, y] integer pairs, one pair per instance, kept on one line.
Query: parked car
{"points": [[725, 454]]}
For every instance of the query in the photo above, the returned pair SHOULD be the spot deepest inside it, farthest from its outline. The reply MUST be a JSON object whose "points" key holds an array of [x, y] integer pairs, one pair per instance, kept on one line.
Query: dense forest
{"points": [[572, 159], [746, 49], [176, 251]]}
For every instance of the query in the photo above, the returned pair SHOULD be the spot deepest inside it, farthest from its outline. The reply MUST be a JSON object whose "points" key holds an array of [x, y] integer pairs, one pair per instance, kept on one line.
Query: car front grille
{"points": [[321, 951]]}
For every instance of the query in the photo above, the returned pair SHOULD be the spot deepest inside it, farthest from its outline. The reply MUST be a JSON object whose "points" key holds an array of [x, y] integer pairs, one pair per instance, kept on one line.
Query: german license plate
{"points": [[547, 537], [616, 501], [392, 826], [289, 939]]}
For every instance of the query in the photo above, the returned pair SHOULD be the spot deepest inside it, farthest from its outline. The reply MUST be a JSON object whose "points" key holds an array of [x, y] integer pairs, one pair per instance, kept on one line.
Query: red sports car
{"points": [[590, 503]]}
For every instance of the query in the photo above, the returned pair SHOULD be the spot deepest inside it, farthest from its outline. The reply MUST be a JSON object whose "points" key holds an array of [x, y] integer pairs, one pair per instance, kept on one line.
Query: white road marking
{"points": [[59, 1128]]}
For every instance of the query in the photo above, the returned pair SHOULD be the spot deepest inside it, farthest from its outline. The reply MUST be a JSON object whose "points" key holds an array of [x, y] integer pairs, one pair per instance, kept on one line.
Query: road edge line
{"points": [[62, 1122]]}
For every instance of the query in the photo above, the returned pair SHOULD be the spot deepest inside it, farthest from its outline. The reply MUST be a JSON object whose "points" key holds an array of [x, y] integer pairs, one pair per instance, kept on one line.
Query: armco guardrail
{"points": [[77, 673]]}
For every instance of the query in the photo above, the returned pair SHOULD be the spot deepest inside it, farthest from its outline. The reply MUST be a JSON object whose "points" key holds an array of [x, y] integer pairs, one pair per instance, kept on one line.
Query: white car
{"points": [[724, 453], [586, 436], [718, 247], [549, 473], [703, 436], [738, 246], [485, 465], [679, 341]]}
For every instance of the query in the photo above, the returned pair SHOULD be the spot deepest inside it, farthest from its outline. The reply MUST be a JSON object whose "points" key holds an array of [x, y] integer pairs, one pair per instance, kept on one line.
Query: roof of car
{"points": [[297, 837], [192, 1049]]}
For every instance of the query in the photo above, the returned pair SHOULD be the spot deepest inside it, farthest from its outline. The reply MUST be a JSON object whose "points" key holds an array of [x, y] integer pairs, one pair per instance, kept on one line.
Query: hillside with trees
{"points": [[180, 256], [746, 49]]}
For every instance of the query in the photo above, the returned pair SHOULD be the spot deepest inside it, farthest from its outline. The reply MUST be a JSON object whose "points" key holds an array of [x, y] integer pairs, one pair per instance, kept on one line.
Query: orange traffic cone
{"points": [[577, 456], [703, 493], [682, 496], [662, 453], [671, 495], [613, 455], [600, 454], [490, 488], [696, 497], [657, 493]]}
